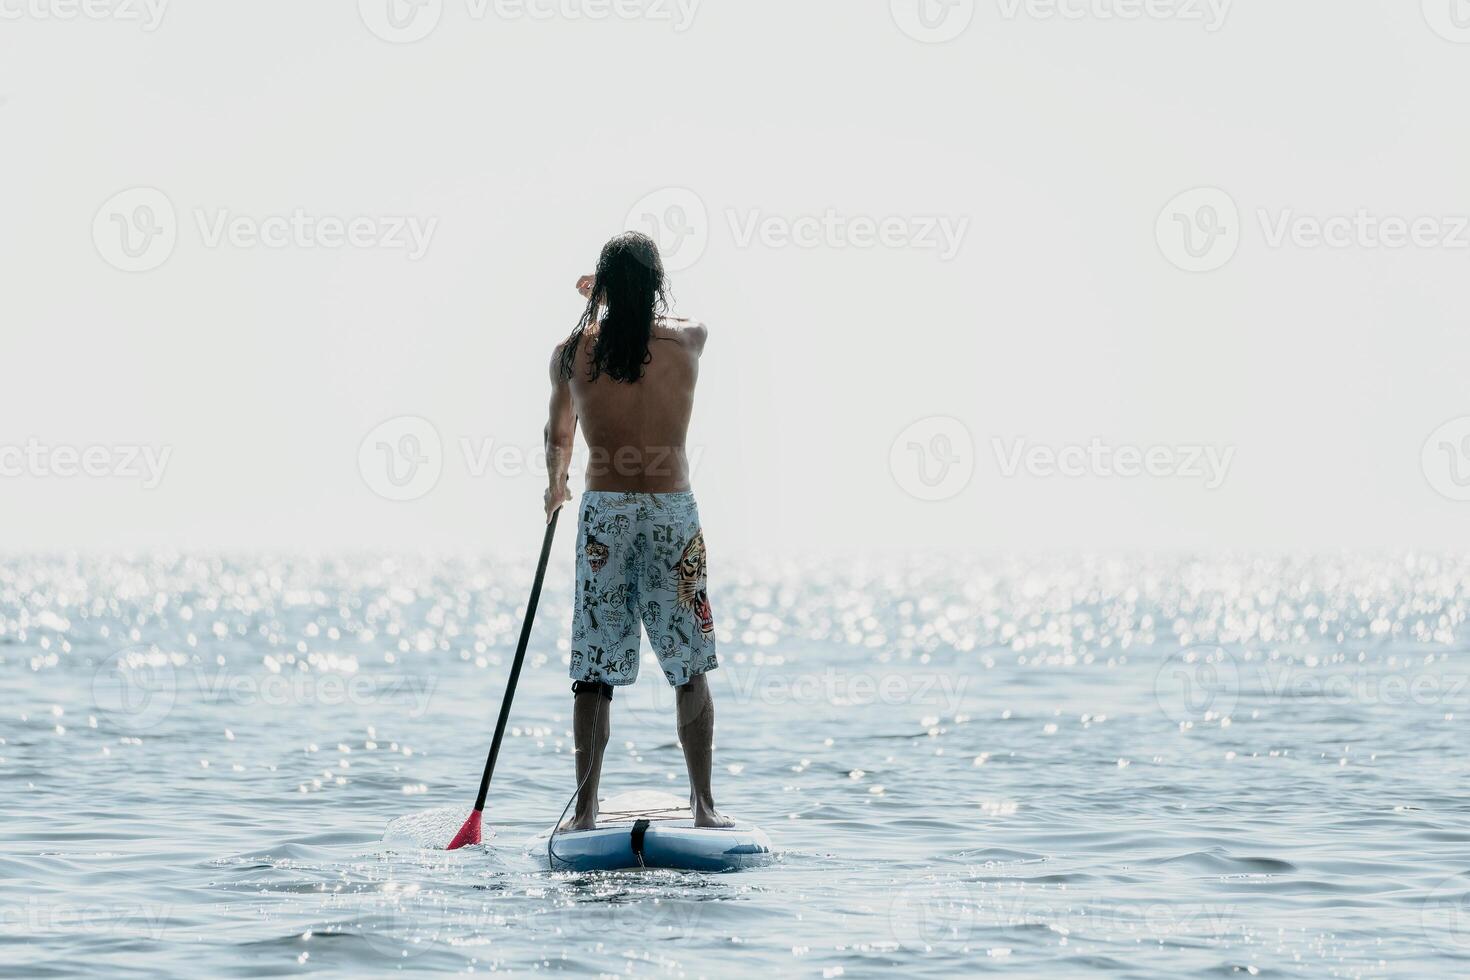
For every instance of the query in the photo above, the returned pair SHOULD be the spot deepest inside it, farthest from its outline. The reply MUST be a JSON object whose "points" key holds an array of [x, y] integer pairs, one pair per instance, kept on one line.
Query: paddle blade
{"points": [[468, 834]]}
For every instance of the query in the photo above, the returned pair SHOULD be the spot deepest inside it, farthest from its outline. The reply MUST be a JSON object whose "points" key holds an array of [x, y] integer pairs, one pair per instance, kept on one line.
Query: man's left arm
{"points": [[561, 431]]}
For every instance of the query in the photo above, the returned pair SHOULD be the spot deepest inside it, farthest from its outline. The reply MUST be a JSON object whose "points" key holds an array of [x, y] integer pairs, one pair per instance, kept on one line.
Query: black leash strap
{"points": [[640, 827]]}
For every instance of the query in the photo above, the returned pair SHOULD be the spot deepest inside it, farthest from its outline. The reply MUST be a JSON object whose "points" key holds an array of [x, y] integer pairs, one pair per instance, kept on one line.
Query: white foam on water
{"points": [[430, 829]]}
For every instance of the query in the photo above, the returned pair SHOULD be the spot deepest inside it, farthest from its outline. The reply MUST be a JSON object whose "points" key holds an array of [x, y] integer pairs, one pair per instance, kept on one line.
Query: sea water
{"points": [[1054, 767]]}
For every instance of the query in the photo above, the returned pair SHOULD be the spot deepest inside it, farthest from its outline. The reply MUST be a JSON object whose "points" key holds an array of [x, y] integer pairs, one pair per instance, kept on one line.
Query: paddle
{"points": [[470, 832]]}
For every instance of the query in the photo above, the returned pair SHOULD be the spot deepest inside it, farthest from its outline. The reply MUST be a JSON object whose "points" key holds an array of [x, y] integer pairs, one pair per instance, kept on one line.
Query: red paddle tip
{"points": [[468, 834]]}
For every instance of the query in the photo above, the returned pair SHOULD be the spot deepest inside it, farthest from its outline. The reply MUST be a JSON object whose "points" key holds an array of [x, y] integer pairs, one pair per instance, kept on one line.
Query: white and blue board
{"points": [[650, 829]]}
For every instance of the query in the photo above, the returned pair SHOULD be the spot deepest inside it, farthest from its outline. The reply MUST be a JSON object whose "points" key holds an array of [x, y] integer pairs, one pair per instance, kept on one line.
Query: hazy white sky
{"points": [[1224, 243]]}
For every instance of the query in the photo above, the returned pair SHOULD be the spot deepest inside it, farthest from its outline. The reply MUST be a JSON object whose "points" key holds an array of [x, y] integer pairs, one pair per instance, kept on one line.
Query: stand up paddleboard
{"points": [[649, 829]]}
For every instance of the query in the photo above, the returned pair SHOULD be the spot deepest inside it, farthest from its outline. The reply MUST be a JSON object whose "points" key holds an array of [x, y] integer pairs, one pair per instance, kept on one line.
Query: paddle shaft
{"points": [[515, 667]]}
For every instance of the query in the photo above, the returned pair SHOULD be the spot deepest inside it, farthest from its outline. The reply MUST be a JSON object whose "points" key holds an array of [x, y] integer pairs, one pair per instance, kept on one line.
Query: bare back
{"points": [[636, 431]]}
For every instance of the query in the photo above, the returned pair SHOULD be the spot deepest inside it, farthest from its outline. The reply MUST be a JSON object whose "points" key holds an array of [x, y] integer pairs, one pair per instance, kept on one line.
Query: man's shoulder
{"points": [[691, 333], [559, 358]]}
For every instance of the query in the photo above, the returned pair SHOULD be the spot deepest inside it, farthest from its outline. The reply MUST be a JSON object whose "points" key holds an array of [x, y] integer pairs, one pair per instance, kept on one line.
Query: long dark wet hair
{"points": [[630, 283]]}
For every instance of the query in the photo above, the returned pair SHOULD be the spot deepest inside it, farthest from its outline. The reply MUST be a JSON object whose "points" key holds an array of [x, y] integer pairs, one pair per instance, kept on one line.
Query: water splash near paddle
{"points": [[428, 829]]}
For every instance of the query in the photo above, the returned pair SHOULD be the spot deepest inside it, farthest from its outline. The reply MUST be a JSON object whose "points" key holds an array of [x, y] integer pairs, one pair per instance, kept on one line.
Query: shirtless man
{"points": [[627, 373]]}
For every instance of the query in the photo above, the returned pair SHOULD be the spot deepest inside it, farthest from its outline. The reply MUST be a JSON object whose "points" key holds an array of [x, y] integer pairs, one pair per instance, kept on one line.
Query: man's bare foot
{"points": [[578, 821], [705, 815]]}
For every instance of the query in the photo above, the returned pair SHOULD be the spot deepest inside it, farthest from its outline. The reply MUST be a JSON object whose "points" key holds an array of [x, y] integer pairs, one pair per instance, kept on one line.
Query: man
{"points": [[627, 373]]}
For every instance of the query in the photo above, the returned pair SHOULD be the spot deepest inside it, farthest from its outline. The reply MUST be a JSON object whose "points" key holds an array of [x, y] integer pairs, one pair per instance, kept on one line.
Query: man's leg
{"points": [[697, 735], [591, 724]]}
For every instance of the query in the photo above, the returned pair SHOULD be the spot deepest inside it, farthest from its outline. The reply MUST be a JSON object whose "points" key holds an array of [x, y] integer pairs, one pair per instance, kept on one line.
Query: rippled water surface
{"points": [[1057, 767]]}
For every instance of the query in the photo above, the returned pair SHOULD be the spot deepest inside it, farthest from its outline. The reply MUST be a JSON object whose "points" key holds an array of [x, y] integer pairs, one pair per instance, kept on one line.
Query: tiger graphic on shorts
{"points": [[693, 592], [597, 554]]}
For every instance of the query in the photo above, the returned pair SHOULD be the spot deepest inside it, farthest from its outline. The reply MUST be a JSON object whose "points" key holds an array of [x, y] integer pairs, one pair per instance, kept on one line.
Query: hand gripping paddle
{"points": [[470, 832]]}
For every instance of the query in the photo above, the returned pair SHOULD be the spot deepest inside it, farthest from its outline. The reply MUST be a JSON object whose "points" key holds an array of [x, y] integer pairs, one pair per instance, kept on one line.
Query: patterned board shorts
{"points": [[640, 559]]}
